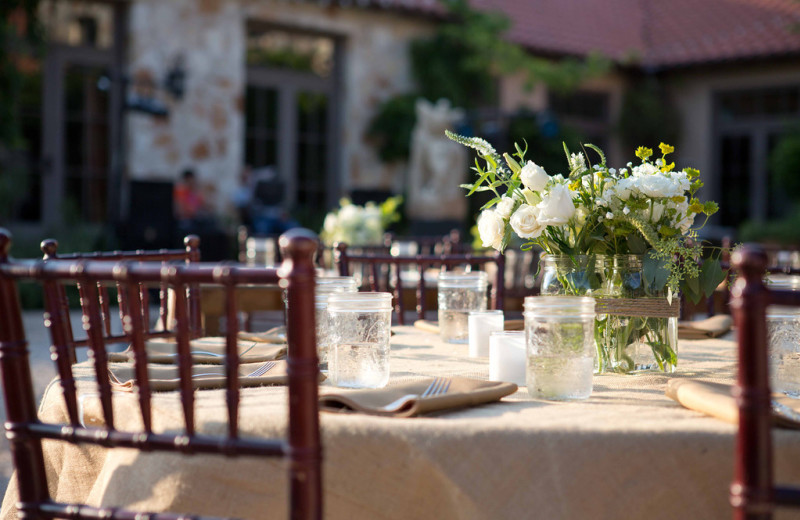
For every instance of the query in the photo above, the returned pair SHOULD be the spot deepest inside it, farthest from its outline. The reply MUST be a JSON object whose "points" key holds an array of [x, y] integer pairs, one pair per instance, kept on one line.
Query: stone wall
{"points": [[204, 130]]}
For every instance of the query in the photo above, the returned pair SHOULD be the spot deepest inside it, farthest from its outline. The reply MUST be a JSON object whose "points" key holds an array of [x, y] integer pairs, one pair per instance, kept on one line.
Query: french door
{"points": [[78, 135]]}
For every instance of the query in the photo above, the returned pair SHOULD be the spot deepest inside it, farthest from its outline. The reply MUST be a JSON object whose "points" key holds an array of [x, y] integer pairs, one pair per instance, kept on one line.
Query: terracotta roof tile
{"points": [[660, 33]]}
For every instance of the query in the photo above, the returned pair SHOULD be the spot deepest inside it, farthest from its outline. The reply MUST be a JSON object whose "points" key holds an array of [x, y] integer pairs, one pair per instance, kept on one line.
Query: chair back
{"points": [[383, 273], [26, 432], [58, 302], [753, 494]]}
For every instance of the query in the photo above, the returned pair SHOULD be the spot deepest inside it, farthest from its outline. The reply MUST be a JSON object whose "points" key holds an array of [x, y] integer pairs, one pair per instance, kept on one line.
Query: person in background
{"points": [[191, 209], [268, 216], [242, 197]]}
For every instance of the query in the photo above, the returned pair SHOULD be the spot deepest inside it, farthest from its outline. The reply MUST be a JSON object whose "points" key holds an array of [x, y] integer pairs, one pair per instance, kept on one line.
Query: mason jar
{"points": [[459, 293], [360, 327], [576, 275], [783, 340], [325, 286], [634, 340], [559, 336]]}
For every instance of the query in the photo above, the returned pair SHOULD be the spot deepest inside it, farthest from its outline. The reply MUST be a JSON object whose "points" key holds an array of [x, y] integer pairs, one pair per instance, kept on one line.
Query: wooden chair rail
{"points": [[753, 494], [343, 259], [132, 276], [57, 302]]}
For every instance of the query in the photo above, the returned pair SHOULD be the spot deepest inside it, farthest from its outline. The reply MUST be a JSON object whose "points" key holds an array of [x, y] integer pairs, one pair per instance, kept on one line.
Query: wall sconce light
{"points": [[143, 96]]}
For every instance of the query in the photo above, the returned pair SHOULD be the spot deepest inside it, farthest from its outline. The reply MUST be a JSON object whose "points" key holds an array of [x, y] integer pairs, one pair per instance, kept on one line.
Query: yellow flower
{"points": [[666, 149], [643, 153]]}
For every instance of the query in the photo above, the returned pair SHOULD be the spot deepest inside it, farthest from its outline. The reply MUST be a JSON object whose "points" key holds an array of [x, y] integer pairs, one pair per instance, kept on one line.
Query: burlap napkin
{"points": [[433, 327], [274, 335], [715, 399], [164, 378], [204, 350], [704, 329], [405, 400]]}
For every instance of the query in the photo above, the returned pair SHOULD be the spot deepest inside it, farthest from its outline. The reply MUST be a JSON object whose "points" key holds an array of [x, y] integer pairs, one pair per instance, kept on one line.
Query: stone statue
{"points": [[437, 166]]}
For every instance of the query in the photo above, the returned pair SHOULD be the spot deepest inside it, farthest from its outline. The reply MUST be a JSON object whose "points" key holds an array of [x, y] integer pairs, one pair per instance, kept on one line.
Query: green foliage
{"points": [[546, 151], [20, 36], [391, 128], [785, 231], [784, 162], [71, 239], [461, 62], [647, 116]]}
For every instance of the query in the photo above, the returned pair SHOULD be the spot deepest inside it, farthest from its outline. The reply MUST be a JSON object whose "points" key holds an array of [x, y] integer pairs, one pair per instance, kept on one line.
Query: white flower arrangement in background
{"points": [[360, 225]]}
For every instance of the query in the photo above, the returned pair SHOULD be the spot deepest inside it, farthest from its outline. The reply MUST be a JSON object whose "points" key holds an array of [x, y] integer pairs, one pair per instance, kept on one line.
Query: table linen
{"points": [[627, 452]]}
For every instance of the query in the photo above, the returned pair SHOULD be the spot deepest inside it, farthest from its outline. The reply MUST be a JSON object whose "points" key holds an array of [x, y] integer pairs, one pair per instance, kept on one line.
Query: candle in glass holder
{"points": [[507, 358], [480, 325]]}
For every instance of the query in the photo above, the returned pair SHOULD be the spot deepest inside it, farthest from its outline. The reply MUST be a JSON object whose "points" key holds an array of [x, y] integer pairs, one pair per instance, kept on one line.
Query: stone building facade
{"points": [[206, 129]]}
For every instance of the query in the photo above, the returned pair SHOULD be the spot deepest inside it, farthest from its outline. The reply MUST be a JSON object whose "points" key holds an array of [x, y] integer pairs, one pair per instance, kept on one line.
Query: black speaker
{"points": [[151, 220]]}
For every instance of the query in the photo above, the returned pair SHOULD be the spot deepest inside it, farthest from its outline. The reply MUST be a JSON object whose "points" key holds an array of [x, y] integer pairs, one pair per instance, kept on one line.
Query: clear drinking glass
{"points": [[559, 333], [360, 327], [325, 286], [459, 293], [783, 334]]}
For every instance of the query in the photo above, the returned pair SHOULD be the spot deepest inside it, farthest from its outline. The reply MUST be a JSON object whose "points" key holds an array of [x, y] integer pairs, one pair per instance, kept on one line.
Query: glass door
{"points": [[290, 116]]}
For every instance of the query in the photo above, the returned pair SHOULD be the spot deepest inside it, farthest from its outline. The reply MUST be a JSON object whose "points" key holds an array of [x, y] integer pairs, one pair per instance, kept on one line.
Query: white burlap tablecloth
{"points": [[627, 452]]}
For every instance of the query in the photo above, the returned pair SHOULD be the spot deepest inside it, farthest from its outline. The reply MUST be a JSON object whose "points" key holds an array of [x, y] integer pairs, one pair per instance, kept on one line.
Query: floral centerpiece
{"points": [[625, 235], [360, 225]]}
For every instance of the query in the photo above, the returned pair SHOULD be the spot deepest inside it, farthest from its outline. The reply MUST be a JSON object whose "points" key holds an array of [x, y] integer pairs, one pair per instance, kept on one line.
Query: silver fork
{"points": [[438, 386], [263, 369]]}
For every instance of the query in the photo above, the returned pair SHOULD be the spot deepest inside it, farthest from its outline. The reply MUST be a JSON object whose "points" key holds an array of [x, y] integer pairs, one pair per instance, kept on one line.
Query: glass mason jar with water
{"points": [[325, 286], [360, 328], [458, 294], [783, 335], [575, 275], [559, 336], [640, 335]]}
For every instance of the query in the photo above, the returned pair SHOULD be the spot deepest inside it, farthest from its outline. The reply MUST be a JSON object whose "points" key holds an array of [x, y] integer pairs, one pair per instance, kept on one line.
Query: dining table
{"points": [[627, 452]]}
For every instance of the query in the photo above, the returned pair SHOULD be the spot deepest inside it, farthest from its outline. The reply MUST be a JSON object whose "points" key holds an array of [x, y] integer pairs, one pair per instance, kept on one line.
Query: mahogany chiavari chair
{"points": [[26, 432], [381, 279], [723, 294], [753, 494], [60, 304]]}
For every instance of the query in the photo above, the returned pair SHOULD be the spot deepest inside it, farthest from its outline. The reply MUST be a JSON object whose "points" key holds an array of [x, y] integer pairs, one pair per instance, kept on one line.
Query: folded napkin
{"points": [[209, 350], [715, 399], [164, 378], [405, 400], [274, 335], [704, 329], [433, 327]]}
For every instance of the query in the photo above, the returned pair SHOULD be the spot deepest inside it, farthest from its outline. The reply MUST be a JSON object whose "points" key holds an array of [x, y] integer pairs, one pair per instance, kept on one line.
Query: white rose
{"points": [[525, 222], [657, 186], [533, 176], [556, 207], [505, 207], [330, 223], [624, 187], [645, 169], [491, 227]]}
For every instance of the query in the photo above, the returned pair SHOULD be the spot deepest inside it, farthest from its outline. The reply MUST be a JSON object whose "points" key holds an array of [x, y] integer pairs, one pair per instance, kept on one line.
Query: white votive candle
{"points": [[507, 360], [480, 325]]}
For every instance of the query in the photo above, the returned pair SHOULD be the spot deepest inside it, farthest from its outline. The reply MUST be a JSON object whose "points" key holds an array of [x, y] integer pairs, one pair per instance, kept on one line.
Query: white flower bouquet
{"points": [[360, 225], [598, 211]]}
